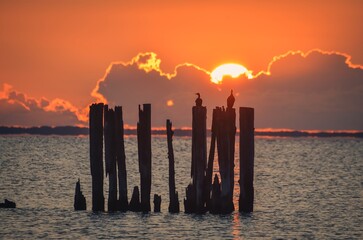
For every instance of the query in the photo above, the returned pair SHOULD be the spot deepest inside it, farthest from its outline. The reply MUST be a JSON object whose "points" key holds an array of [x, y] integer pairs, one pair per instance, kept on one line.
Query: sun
{"points": [[231, 69]]}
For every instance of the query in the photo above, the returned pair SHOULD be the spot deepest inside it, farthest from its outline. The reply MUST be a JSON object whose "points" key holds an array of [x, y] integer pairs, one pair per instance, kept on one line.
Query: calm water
{"points": [[305, 188]]}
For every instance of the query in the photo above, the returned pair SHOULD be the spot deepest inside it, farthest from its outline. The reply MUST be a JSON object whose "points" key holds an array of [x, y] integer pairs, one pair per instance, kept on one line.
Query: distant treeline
{"points": [[45, 130], [71, 130]]}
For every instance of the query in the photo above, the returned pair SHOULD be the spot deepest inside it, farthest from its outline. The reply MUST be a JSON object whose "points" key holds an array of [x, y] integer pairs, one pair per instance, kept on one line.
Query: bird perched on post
{"points": [[198, 101], [230, 100]]}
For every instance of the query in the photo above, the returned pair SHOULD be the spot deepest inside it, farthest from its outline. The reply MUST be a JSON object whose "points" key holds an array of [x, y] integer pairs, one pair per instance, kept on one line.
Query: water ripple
{"points": [[305, 188]]}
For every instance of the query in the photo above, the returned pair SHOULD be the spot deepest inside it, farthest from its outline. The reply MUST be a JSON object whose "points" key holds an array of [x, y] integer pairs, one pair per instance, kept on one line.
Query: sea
{"points": [[305, 188]]}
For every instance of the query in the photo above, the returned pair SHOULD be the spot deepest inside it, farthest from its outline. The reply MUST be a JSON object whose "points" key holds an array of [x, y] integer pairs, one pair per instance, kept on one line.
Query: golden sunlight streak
{"points": [[231, 69]]}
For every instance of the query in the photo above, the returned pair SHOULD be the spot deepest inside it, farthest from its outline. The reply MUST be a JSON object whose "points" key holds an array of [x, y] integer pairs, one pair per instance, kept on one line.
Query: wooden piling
{"points": [[199, 155], [121, 159], [173, 195], [144, 153], [135, 205], [190, 198], [79, 199], [96, 155], [209, 171], [215, 201], [157, 203], [247, 151], [231, 138], [225, 133], [110, 157]]}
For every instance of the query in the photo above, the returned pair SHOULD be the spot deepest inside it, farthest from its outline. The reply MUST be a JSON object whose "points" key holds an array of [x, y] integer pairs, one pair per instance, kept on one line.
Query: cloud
{"points": [[313, 90], [142, 81], [17, 109]]}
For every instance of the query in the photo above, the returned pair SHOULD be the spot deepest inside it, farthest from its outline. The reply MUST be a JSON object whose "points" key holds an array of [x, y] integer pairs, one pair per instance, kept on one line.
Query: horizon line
{"points": [[267, 132]]}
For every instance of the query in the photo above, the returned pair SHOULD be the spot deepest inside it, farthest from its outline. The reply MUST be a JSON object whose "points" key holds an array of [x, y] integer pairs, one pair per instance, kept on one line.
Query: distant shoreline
{"points": [[71, 130]]}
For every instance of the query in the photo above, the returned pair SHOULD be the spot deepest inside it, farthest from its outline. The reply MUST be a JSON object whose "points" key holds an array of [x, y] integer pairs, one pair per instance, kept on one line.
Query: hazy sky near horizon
{"points": [[57, 57]]}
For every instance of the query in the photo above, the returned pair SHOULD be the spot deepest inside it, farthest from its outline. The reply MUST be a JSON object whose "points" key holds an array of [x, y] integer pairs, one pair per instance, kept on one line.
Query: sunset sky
{"points": [[305, 59]]}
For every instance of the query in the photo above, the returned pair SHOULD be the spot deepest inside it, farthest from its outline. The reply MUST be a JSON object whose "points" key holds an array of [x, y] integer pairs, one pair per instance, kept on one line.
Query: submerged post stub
{"points": [[8, 204], [135, 205], [247, 152], [79, 199], [157, 203]]}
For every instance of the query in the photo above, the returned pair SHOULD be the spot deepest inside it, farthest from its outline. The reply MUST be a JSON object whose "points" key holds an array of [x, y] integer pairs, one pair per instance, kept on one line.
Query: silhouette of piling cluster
{"points": [[110, 122], [202, 195]]}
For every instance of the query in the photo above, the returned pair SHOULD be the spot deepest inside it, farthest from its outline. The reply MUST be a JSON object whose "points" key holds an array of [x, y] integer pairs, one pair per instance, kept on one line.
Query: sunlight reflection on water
{"points": [[304, 188]]}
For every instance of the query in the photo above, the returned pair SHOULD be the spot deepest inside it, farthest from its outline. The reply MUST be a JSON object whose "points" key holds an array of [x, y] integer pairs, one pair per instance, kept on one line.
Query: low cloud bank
{"points": [[18, 109]]}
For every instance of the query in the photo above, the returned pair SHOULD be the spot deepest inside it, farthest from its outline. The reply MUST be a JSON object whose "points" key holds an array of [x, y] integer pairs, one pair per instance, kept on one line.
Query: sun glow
{"points": [[231, 69], [170, 103]]}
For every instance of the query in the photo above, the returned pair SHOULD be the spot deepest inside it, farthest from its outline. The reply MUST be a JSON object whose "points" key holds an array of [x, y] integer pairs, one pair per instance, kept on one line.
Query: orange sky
{"points": [[59, 49]]}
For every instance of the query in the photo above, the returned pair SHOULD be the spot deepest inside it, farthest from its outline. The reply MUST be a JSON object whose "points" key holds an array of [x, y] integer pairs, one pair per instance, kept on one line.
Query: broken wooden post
{"points": [[157, 203], [135, 205], [110, 157], [209, 171], [189, 201], [144, 152], [121, 159], [247, 151], [199, 155], [8, 204], [173, 195], [96, 155], [215, 201], [79, 199]]}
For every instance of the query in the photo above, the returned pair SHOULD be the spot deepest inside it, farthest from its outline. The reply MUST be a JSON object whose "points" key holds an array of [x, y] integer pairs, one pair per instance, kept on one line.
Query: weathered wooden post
{"points": [[247, 152], [225, 132], [225, 169], [209, 171], [79, 199], [189, 201], [110, 157], [173, 195], [157, 203], [215, 201], [144, 150], [230, 147], [135, 205], [195, 192], [199, 154], [121, 159], [96, 155], [7, 204]]}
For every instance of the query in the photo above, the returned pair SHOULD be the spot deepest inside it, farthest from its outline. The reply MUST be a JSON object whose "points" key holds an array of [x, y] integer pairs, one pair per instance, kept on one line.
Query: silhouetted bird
{"points": [[198, 101], [230, 100]]}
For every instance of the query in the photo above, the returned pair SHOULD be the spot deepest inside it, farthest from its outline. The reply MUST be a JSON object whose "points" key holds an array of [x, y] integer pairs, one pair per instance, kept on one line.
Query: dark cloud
{"points": [[317, 90]]}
